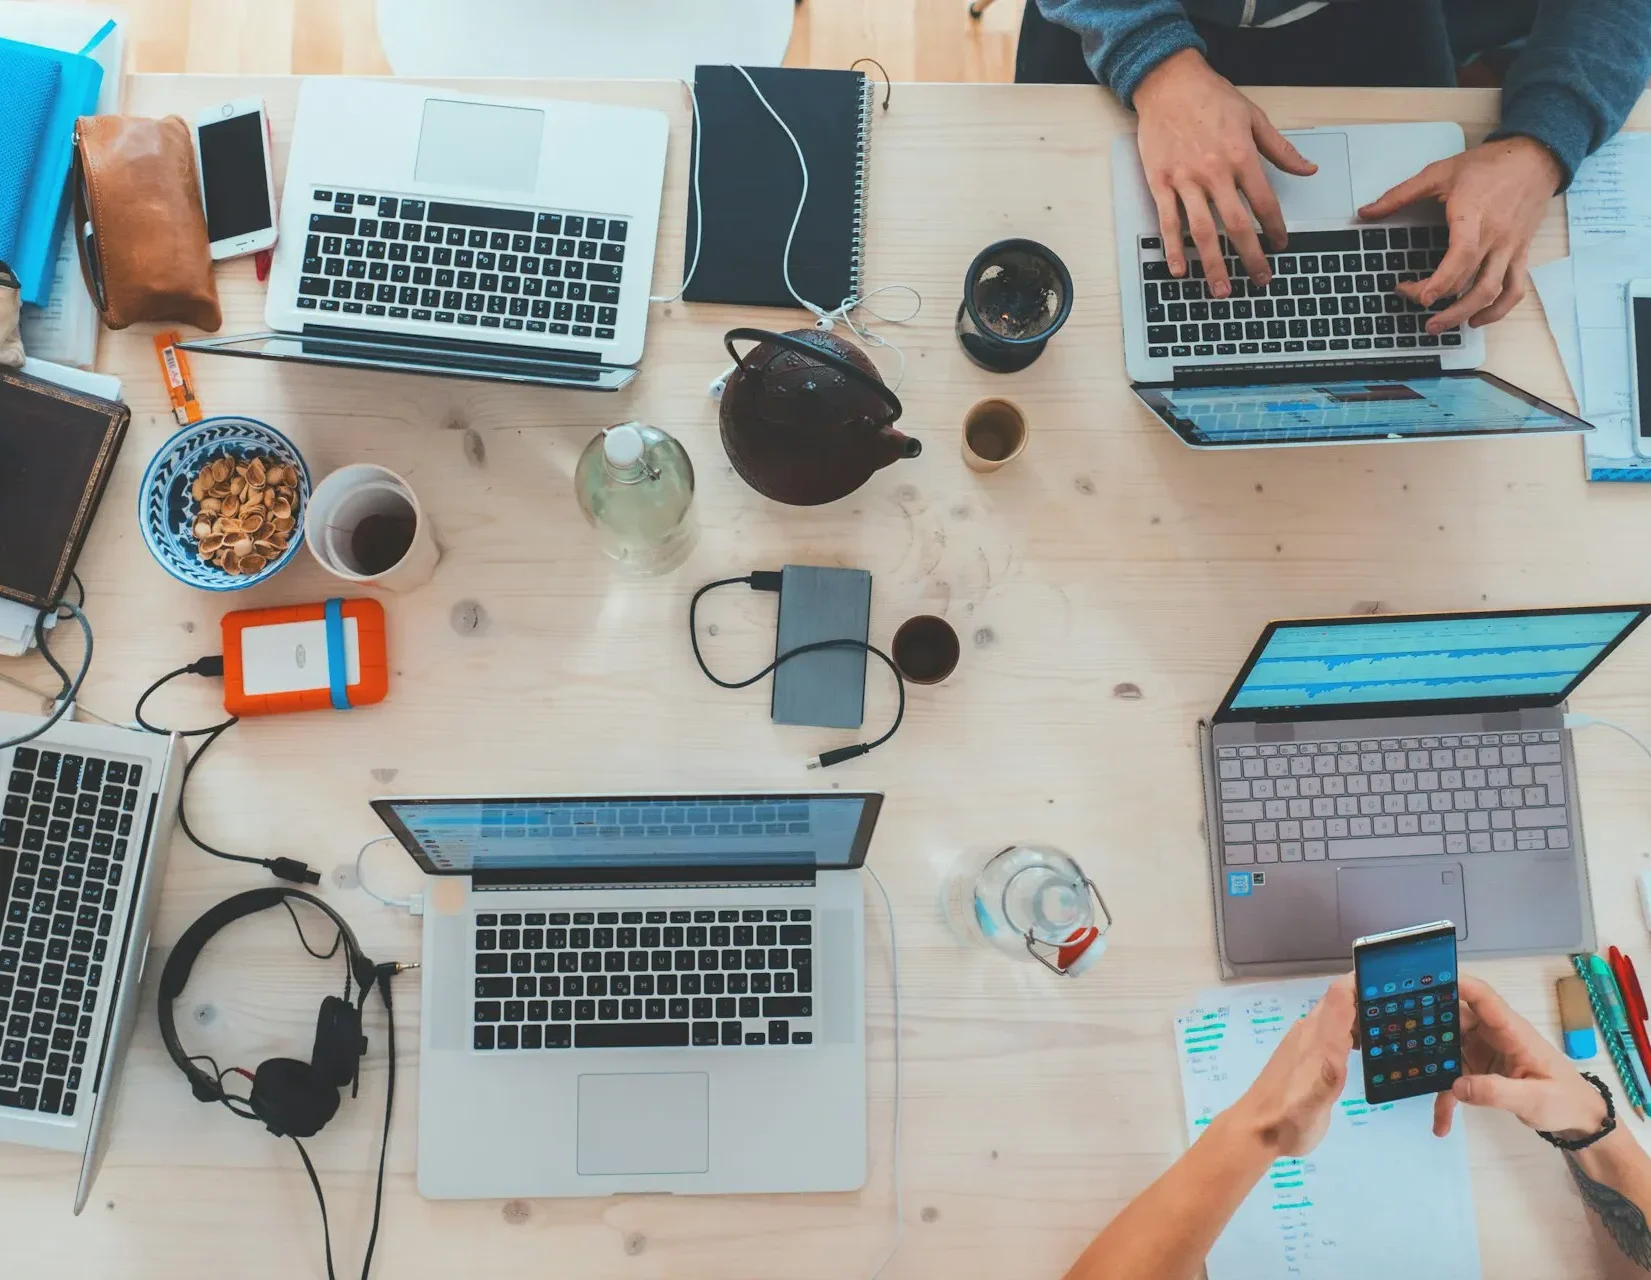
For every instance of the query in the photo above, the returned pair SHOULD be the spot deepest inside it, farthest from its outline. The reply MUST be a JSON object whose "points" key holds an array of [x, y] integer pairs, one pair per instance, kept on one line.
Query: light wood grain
{"points": [[1107, 555], [913, 39]]}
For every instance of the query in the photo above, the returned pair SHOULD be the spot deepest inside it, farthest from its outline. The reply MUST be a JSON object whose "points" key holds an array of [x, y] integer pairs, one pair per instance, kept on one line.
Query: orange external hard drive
{"points": [[305, 657]]}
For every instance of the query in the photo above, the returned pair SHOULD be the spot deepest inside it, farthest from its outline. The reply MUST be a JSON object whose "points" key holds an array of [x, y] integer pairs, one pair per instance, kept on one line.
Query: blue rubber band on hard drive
{"points": [[338, 666]]}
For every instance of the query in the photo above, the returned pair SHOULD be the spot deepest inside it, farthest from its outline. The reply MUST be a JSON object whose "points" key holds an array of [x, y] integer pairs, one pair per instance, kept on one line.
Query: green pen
{"points": [[1606, 983]]}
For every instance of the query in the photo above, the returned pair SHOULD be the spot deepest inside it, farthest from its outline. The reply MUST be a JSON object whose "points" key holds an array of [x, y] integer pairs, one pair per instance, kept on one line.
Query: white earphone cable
{"points": [[824, 319], [405, 903]]}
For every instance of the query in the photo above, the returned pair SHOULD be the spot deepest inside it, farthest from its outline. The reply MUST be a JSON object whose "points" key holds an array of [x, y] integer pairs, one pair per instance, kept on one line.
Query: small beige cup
{"points": [[994, 433], [361, 516]]}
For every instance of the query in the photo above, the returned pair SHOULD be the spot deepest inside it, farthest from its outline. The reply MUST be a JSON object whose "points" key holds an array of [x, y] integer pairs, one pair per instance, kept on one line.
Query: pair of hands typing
{"points": [[1507, 1065], [1202, 142]]}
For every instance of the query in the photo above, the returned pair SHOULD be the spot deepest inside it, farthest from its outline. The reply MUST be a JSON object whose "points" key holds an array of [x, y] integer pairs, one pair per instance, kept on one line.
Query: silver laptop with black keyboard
{"points": [[424, 231], [1366, 773], [641, 993], [85, 825], [1327, 350]]}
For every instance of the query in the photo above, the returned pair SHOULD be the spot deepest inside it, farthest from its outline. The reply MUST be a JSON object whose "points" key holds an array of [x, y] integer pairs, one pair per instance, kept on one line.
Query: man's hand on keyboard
{"points": [[1201, 145], [1495, 196]]}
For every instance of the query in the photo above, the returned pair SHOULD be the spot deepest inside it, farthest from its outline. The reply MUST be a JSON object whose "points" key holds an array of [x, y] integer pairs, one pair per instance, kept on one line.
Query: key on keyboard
{"points": [[1330, 291], [64, 838], [1383, 798], [462, 265], [706, 977]]}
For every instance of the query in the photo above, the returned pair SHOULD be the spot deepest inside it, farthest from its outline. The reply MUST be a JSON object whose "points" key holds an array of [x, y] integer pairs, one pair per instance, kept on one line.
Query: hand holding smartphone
{"points": [[1409, 1033], [237, 177]]}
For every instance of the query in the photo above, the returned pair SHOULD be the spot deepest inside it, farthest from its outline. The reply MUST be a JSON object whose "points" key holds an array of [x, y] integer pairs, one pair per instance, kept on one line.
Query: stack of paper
{"points": [[65, 329], [1332, 1214], [1609, 213]]}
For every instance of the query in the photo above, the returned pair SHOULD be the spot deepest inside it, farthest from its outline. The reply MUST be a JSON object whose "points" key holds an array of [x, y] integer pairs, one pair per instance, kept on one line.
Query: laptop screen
{"points": [[630, 834], [1486, 660], [1469, 403]]}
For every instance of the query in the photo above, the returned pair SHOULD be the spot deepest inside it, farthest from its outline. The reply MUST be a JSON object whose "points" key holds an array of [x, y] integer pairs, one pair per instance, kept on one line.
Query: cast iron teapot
{"points": [[806, 418]]}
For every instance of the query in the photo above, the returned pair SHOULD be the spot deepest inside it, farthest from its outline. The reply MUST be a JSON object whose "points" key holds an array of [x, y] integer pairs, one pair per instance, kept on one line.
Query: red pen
{"points": [[1622, 968]]}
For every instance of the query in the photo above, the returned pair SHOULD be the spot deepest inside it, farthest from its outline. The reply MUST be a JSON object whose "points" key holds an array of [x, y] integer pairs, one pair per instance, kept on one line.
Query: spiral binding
{"points": [[857, 248]]}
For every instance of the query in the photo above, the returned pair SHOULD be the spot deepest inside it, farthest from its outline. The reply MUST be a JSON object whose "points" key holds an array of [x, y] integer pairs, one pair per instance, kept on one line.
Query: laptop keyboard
{"points": [[705, 977], [1469, 793], [464, 265], [63, 846], [1330, 291]]}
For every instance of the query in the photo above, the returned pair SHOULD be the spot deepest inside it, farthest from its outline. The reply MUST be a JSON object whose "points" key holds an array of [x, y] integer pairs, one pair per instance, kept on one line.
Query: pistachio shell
{"points": [[220, 470], [253, 563], [284, 524], [243, 545], [211, 506], [253, 522], [232, 506], [202, 528], [256, 471]]}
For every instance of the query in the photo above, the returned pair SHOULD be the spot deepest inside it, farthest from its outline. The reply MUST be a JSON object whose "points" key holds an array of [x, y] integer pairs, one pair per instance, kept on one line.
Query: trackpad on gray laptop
{"points": [[1376, 899], [646, 1122], [1327, 194]]}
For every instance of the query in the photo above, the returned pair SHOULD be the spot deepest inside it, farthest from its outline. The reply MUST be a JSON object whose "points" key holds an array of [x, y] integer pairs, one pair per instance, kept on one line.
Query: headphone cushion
{"points": [[291, 1099], [339, 1044]]}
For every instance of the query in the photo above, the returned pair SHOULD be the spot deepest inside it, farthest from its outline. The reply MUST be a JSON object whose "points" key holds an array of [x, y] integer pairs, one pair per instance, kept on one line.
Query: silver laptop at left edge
{"points": [[703, 1113], [92, 955]]}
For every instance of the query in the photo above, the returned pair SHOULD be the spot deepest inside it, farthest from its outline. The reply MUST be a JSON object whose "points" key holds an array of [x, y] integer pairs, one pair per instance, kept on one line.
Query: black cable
{"points": [[70, 686], [320, 1199], [328, 954], [284, 868], [385, 973], [770, 581]]}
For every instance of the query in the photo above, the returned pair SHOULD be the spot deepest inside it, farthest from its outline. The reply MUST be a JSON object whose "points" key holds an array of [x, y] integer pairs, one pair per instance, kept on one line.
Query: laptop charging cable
{"points": [[291, 869], [769, 580]]}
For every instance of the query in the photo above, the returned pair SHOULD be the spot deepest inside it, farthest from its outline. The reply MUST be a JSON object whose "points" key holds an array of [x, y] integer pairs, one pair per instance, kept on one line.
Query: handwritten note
{"points": [[1610, 196], [1379, 1174]]}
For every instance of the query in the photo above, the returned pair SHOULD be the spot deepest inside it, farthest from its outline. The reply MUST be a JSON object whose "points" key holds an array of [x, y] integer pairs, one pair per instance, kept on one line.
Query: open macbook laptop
{"points": [[1368, 773], [641, 993], [85, 826], [425, 231], [1327, 352]]}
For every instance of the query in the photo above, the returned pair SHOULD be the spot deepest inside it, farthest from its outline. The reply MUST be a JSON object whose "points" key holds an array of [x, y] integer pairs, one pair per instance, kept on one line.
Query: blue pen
{"points": [[1606, 984]]}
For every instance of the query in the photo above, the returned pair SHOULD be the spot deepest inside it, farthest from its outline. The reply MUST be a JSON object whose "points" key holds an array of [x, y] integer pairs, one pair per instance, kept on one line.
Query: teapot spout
{"points": [[900, 445]]}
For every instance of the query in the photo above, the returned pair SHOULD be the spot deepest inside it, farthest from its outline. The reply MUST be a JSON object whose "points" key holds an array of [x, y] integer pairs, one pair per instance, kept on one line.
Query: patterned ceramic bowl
{"points": [[166, 510]]}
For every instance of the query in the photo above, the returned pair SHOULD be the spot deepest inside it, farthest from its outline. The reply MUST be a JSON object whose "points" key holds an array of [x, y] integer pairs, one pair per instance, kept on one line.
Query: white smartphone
{"points": [[1639, 365], [237, 177]]}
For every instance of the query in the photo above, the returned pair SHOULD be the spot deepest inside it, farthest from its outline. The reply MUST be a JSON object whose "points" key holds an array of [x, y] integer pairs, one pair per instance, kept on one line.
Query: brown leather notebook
{"points": [[57, 448]]}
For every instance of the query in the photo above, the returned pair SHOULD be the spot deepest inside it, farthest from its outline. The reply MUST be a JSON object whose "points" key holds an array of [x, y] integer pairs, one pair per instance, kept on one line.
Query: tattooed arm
{"points": [[1513, 1068]]}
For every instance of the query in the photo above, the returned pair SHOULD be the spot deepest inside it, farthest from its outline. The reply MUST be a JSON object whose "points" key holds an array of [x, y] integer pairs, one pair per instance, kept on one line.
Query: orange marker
{"points": [[180, 382]]}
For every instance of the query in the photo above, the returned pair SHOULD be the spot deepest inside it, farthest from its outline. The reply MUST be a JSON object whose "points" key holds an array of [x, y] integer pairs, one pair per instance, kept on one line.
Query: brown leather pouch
{"points": [[149, 258]]}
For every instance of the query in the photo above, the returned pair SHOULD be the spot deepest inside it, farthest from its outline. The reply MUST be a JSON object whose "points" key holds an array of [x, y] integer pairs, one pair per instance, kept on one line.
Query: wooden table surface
{"points": [[1105, 586]]}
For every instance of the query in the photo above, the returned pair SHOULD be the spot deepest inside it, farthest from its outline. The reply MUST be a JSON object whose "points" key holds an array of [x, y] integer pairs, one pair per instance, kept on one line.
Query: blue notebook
{"points": [[28, 90], [39, 215]]}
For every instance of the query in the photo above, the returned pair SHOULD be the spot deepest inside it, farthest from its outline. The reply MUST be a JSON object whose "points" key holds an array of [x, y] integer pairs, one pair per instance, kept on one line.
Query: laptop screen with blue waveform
{"points": [[1332, 411], [1505, 659]]}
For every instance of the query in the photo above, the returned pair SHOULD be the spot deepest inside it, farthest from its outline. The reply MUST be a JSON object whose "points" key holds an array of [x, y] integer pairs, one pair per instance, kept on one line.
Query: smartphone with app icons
{"points": [[1409, 1037]]}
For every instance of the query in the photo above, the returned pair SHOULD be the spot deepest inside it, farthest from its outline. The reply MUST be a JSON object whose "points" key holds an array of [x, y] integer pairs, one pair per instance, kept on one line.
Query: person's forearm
{"points": [[1124, 39], [1583, 67], [1166, 1231], [1614, 1179]]}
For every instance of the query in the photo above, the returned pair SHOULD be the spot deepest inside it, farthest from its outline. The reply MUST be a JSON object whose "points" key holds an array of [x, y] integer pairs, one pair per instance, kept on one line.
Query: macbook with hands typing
{"points": [[426, 231], [1327, 351], [1365, 773], [641, 993]]}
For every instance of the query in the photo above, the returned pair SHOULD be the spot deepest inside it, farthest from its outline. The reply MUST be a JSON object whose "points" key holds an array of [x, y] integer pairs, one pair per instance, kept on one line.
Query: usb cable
{"points": [[769, 580]]}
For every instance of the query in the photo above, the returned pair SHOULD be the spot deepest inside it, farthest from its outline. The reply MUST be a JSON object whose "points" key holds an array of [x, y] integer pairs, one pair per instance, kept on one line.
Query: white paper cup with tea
{"points": [[364, 524]]}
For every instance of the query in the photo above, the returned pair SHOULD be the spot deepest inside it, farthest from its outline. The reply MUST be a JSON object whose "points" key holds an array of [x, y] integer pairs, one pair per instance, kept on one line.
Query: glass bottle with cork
{"points": [[635, 485]]}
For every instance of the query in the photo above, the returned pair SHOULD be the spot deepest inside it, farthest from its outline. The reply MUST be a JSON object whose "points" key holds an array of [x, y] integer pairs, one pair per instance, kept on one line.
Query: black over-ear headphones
{"points": [[291, 1098]]}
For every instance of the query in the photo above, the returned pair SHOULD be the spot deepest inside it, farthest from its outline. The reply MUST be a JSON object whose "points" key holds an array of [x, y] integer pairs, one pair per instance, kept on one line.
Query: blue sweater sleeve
{"points": [[1125, 39], [1581, 71]]}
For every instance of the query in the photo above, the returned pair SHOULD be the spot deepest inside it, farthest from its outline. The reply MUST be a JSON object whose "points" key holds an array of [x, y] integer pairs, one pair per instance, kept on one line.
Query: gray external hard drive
{"points": [[826, 688]]}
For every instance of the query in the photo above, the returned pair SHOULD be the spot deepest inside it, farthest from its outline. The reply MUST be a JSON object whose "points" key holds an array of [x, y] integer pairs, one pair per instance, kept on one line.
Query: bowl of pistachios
{"points": [[221, 503]]}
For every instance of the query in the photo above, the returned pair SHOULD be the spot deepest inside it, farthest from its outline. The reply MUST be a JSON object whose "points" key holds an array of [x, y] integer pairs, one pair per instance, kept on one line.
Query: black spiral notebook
{"points": [[750, 182]]}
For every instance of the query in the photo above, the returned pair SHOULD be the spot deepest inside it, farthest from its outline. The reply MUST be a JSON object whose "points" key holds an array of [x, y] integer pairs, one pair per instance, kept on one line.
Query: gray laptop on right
{"points": [[1368, 773]]}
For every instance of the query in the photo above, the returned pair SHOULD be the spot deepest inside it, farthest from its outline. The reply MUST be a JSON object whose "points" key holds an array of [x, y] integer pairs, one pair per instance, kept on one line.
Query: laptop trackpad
{"points": [[1328, 193], [1376, 899], [644, 1123]]}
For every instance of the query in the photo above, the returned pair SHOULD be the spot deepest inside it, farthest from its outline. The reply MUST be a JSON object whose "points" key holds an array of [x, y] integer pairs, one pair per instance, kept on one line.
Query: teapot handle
{"points": [[829, 358]]}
